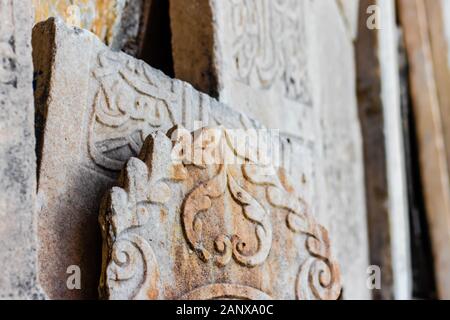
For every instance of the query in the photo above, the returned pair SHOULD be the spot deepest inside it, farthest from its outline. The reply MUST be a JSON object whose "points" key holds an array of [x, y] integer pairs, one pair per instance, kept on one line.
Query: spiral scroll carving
{"points": [[130, 266], [319, 276], [249, 193], [201, 199], [133, 260]]}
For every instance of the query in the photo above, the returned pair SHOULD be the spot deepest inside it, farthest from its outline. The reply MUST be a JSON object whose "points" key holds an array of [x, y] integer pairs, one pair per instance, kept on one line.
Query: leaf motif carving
{"points": [[200, 200], [227, 246], [256, 213], [319, 275], [129, 105], [128, 205], [246, 192], [130, 269], [133, 260]]}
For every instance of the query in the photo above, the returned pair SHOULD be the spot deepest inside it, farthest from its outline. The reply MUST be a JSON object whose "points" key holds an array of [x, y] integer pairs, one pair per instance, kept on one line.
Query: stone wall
{"points": [[87, 168], [18, 240]]}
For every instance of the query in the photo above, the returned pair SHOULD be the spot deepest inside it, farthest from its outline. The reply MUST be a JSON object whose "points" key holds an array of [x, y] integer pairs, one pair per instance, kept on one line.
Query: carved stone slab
{"points": [[251, 54], [290, 65], [94, 109], [183, 226], [18, 241]]}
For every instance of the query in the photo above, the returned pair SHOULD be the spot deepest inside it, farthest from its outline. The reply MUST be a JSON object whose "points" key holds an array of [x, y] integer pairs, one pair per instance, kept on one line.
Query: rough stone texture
{"points": [[94, 109], [250, 53], [340, 190], [182, 226], [290, 65], [381, 119], [18, 241], [119, 23]]}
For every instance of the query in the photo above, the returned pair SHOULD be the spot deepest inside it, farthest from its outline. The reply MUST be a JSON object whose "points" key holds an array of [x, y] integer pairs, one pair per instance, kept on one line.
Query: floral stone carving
{"points": [[94, 110], [200, 216]]}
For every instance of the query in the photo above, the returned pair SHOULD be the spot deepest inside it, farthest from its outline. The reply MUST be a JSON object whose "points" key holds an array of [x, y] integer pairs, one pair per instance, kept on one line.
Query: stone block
{"points": [[202, 217], [94, 109]]}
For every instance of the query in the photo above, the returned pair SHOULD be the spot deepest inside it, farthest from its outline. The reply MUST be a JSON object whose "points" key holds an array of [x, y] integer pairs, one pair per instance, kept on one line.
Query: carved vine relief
{"points": [[132, 100], [269, 46], [131, 103], [129, 261]]}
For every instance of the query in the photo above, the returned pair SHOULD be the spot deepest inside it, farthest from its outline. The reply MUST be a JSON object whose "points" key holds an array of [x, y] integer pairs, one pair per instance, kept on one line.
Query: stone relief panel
{"points": [[131, 101], [242, 51], [245, 52], [129, 104], [119, 101], [269, 44], [206, 204], [253, 55]]}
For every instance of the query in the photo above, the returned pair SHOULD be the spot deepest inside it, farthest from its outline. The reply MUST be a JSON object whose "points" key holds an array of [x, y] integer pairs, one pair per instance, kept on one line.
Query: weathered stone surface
{"points": [[94, 109], [250, 53], [290, 65], [180, 225], [341, 205], [18, 241], [119, 23]]}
